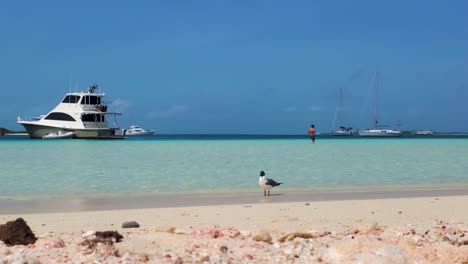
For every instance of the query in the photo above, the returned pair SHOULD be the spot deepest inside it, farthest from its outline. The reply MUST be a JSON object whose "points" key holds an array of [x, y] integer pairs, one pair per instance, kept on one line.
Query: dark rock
{"points": [[109, 234], [17, 233], [130, 224]]}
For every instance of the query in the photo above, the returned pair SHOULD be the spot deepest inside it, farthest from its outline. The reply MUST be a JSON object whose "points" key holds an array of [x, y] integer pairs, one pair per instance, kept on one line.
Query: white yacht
{"points": [[138, 131], [82, 113], [378, 131]]}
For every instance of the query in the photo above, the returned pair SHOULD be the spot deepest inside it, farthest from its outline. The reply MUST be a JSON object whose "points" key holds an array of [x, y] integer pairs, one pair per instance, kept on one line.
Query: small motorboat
{"points": [[60, 135], [138, 131]]}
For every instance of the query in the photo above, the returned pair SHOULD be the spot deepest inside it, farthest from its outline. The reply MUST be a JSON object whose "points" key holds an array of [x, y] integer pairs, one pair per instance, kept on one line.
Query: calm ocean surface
{"points": [[57, 168]]}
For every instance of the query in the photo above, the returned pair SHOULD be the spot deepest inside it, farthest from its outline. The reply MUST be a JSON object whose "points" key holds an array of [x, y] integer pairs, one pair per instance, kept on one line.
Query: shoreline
{"points": [[144, 201]]}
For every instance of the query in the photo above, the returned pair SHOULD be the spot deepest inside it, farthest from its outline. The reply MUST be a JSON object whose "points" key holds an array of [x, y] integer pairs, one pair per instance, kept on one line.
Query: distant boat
{"points": [[377, 131], [423, 133], [341, 131], [380, 133], [138, 131]]}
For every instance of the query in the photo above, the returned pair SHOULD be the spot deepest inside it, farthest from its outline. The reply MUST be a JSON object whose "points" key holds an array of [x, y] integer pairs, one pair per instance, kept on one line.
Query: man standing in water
{"points": [[312, 133]]}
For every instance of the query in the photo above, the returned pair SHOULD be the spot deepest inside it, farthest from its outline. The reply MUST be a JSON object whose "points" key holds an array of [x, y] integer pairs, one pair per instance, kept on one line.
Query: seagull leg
{"points": [[264, 193], [268, 192]]}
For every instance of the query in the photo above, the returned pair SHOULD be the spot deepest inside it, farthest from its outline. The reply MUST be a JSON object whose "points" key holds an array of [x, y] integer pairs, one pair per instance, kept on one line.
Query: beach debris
{"points": [[439, 243], [262, 236], [216, 232], [248, 257], [223, 249], [170, 229], [102, 243], [245, 233], [50, 241], [17, 233], [109, 234], [291, 236], [130, 224], [88, 233], [19, 258], [180, 232], [373, 229]]}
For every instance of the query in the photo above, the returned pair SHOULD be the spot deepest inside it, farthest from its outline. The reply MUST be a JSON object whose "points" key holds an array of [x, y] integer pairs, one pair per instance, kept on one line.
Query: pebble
{"points": [[130, 224]]}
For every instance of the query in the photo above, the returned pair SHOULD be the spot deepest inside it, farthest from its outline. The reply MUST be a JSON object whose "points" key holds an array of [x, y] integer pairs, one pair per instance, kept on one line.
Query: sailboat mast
{"points": [[376, 99], [340, 114]]}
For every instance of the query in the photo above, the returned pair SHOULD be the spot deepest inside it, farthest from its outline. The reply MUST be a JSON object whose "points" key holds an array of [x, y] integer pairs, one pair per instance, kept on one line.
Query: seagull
{"points": [[266, 184]]}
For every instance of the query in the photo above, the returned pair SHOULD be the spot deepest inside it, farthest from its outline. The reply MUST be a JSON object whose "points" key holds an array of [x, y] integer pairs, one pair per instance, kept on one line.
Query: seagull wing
{"points": [[272, 182]]}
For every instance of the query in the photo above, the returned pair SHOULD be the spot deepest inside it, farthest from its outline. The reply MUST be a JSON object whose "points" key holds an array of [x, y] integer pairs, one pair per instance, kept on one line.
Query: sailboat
{"points": [[341, 131], [378, 131]]}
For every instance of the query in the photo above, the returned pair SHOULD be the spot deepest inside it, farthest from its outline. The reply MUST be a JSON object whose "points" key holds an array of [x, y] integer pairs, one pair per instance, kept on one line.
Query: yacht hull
{"points": [[39, 131], [148, 133], [379, 134]]}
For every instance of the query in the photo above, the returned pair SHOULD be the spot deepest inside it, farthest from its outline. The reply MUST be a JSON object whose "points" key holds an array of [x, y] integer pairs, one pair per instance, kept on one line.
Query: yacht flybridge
{"points": [[82, 113]]}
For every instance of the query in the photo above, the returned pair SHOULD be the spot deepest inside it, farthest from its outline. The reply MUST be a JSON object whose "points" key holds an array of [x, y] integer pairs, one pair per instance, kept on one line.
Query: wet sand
{"points": [[131, 201]]}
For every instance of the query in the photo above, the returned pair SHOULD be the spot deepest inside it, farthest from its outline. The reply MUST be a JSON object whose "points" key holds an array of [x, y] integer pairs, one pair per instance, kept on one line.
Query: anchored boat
{"points": [[378, 130], [138, 131], [84, 114]]}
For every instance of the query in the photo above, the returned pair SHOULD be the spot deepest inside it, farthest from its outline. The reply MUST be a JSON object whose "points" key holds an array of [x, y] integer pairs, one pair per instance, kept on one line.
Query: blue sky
{"points": [[270, 67]]}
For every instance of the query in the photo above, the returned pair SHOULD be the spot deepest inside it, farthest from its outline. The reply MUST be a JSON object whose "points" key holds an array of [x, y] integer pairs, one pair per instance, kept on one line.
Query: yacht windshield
{"points": [[71, 99], [59, 117], [91, 100]]}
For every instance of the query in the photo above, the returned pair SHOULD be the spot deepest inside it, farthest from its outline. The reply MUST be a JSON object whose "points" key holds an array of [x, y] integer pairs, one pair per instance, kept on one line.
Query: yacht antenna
{"points": [[69, 88], [70, 84], [376, 98]]}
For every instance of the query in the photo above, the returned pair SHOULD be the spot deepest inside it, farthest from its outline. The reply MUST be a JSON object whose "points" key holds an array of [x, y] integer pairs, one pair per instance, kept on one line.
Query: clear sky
{"points": [[242, 66]]}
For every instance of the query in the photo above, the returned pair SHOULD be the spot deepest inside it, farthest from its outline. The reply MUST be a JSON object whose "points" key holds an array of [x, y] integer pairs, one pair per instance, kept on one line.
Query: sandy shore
{"points": [[397, 230]]}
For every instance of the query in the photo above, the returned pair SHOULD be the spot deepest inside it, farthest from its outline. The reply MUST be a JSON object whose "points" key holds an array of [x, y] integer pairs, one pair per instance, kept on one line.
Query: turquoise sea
{"points": [[31, 169]]}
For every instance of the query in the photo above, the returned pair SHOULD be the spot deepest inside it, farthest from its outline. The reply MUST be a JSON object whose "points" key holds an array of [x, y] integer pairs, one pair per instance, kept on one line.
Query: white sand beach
{"points": [[397, 230]]}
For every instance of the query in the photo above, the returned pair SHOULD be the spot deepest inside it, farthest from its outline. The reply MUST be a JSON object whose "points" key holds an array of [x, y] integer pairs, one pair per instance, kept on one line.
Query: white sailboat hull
{"points": [[380, 133]]}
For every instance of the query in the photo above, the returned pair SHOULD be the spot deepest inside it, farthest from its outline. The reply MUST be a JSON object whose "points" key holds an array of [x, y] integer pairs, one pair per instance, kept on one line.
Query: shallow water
{"points": [[56, 168]]}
